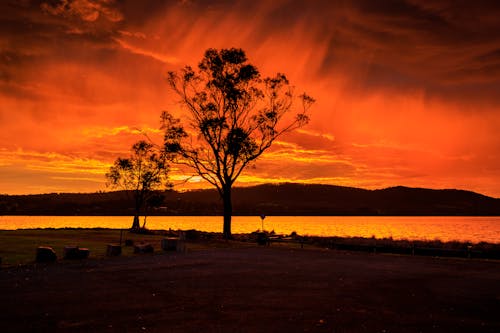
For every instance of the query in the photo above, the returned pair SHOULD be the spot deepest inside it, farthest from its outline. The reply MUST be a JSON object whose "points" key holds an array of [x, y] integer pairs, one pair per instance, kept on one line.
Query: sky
{"points": [[407, 92]]}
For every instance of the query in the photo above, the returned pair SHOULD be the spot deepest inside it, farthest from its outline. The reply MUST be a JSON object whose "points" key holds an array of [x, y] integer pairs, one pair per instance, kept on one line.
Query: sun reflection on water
{"points": [[445, 228]]}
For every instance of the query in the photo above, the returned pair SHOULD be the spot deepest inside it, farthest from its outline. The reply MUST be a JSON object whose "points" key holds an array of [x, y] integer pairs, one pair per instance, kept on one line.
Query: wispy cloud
{"points": [[407, 91], [100, 132], [86, 10], [164, 58]]}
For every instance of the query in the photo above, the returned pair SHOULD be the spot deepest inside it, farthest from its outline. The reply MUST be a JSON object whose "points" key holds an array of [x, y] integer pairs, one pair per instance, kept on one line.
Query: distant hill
{"points": [[269, 199]]}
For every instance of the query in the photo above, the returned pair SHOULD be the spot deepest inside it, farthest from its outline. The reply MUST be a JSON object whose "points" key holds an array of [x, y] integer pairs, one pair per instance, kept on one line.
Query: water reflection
{"points": [[473, 229]]}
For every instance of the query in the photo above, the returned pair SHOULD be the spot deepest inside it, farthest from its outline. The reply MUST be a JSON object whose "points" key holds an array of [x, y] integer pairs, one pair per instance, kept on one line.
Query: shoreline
{"points": [[464, 229], [245, 235], [18, 246]]}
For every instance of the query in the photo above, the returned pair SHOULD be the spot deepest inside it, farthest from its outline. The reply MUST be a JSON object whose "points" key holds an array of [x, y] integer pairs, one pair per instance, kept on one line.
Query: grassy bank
{"points": [[19, 246]]}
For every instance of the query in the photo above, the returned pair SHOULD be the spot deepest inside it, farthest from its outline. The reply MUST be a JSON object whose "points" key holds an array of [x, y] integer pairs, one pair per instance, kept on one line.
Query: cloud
{"points": [[407, 91], [99, 132], [34, 172], [166, 59], [85, 10]]}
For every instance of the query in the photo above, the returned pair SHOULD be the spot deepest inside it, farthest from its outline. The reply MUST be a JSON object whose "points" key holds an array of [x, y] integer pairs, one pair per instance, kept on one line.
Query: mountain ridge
{"points": [[268, 199]]}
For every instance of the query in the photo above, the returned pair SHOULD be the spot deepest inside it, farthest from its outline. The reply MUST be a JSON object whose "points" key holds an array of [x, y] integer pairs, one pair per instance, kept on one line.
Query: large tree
{"points": [[142, 174], [233, 116]]}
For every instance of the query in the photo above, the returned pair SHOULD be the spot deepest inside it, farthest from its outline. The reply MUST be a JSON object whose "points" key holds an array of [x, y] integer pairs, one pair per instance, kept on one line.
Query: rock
{"points": [[71, 252], [173, 244], [45, 254], [75, 252], [83, 252], [113, 250], [143, 248], [169, 243]]}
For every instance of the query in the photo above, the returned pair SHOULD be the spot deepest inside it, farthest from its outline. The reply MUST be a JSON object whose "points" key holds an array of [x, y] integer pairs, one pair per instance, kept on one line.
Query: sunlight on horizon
{"points": [[399, 102]]}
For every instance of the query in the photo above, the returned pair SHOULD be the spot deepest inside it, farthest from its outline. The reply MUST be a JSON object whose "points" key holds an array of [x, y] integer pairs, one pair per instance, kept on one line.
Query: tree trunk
{"points": [[138, 203], [228, 212], [135, 224]]}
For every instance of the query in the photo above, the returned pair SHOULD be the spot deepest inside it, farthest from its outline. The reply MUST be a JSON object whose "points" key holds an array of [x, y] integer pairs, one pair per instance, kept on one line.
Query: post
{"points": [[121, 236]]}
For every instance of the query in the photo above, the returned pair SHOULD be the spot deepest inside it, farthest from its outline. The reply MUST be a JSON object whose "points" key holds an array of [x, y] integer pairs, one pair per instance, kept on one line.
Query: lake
{"points": [[445, 228]]}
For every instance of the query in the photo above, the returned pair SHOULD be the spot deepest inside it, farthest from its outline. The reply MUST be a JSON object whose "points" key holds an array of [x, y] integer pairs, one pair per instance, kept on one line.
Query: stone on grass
{"points": [[45, 254], [83, 252], [169, 243], [75, 252], [143, 248], [113, 250], [71, 252], [173, 244]]}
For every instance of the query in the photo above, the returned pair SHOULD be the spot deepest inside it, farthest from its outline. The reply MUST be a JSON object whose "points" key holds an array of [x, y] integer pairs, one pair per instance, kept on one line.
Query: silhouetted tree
{"points": [[234, 116], [143, 173], [154, 201]]}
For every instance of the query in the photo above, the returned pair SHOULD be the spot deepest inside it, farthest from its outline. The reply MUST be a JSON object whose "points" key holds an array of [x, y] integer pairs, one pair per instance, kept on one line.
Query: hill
{"points": [[269, 199]]}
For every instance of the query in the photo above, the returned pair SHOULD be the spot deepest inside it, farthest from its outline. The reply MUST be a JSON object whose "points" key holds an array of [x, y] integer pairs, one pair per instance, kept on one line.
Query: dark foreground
{"points": [[254, 290]]}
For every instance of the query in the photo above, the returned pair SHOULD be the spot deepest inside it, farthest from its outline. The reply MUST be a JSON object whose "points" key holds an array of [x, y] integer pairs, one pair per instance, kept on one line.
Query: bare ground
{"points": [[254, 290]]}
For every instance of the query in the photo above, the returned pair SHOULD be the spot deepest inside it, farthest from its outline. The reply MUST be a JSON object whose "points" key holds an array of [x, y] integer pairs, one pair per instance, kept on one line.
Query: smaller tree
{"points": [[143, 174]]}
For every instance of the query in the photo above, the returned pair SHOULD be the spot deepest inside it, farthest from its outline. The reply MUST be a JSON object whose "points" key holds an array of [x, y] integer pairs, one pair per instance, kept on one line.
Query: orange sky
{"points": [[408, 92]]}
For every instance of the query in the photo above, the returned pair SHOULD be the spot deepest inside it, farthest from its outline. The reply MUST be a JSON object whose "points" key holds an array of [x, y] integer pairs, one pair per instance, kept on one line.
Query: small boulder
{"points": [[143, 248], [83, 252], [75, 252], [169, 244], [45, 254], [71, 252], [113, 250]]}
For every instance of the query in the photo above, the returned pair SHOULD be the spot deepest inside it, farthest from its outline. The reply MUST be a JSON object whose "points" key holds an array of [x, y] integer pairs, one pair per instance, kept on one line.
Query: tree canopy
{"points": [[144, 172], [233, 116]]}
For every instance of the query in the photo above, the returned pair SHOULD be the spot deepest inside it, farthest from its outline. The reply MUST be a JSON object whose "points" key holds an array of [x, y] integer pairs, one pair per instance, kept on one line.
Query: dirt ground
{"points": [[254, 289]]}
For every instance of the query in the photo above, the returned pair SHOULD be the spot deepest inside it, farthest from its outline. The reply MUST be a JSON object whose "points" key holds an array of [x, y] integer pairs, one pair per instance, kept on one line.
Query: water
{"points": [[445, 228]]}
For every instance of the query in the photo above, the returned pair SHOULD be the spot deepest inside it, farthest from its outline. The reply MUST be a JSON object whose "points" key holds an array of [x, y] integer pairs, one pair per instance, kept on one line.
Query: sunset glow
{"points": [[407, 91]]}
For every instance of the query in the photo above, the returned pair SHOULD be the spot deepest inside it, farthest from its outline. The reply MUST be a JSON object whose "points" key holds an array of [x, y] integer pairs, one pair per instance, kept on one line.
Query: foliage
{"points": [[234, 116], [143, 173]]}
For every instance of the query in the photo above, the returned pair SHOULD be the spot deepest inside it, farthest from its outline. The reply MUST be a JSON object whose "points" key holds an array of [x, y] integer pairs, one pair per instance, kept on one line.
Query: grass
{"points": [[18, 247]]}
